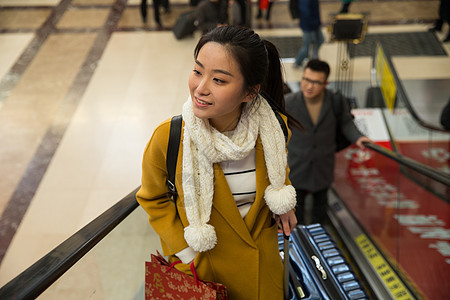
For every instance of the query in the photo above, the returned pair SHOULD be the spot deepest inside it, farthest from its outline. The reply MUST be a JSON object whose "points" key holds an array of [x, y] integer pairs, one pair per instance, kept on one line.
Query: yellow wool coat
{"points": [[246, 258]]}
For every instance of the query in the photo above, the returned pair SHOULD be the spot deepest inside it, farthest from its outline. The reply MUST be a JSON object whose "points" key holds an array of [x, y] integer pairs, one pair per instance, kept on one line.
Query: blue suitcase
{"points": [[318, 269]]}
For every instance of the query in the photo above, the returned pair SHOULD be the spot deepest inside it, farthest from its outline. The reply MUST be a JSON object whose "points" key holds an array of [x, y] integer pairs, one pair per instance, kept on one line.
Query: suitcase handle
{"points": [[286, 266], [319, 267]]}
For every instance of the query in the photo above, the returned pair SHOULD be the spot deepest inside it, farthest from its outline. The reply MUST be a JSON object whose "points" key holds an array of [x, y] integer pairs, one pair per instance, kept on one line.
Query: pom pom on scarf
{"points": [[200, 237], [281, 200]]}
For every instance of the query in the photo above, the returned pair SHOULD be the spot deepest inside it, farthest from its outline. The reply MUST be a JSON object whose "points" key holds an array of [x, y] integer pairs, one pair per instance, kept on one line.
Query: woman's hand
{"points": [[286, 222]]}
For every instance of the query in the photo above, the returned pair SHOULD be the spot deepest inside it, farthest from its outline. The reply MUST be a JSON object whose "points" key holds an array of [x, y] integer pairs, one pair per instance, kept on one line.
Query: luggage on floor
{"points": [[318, 269], [185, 25]]}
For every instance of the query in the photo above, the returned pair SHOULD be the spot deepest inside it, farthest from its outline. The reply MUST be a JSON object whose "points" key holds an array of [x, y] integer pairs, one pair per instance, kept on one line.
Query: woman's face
{"points": [[217, 87]]}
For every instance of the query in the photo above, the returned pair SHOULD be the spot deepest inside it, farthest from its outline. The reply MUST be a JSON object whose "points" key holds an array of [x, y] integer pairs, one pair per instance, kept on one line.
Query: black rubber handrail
{"points": [[38, 277], [429, 172]]}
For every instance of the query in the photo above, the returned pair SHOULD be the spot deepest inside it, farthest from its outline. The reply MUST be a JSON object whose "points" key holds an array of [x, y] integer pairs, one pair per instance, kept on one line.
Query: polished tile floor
{"points": [[83, 83]]}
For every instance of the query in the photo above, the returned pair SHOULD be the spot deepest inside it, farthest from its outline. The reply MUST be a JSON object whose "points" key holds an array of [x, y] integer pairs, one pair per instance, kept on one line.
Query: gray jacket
{"points": [[311, 153]]}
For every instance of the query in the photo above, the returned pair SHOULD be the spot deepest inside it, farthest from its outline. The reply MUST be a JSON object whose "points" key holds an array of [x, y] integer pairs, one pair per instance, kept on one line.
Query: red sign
{"points": [[408, 223]]}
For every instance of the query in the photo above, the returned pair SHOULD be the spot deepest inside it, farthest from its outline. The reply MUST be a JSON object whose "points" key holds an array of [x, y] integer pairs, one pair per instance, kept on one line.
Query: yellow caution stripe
{"points": [[384, 270]]}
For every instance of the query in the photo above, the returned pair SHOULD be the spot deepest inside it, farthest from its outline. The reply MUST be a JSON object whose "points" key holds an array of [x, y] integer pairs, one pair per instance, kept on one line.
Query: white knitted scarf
{"points": [[203, 146]]}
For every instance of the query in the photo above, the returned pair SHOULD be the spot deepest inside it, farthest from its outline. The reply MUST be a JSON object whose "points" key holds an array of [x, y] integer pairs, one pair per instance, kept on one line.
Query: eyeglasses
{"points": [[313, 82]]}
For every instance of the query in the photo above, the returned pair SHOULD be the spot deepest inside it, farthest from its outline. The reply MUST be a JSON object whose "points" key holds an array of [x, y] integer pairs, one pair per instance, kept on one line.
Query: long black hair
{"points": [[258, 60]]}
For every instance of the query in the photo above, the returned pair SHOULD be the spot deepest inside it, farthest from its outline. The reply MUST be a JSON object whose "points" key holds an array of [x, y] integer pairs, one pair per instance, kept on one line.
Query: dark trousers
{"points": [[243, 6], [345, 7], [318, 213], [156, 5]]}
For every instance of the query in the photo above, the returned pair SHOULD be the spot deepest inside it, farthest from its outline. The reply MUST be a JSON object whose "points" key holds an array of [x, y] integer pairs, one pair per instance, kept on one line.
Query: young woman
{"points": [[232, 175]]}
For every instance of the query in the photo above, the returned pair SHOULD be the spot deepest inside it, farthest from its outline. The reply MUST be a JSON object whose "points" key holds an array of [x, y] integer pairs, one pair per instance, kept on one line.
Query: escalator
{"points": [[388, 206], [395, 229]]}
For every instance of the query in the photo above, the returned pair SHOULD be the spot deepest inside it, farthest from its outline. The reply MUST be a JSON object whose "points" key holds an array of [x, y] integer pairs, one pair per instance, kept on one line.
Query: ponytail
{"points": [[273, 82], [273, 85]]}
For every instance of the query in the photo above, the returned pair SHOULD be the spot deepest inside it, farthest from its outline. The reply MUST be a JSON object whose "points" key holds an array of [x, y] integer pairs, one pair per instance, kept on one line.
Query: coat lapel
{"points": [[253, 220], [225, 205], [261, 182]]}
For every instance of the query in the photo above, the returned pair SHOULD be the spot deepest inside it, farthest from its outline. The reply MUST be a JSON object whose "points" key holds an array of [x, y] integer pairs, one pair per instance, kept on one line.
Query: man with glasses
{"points": [[311, 151]]}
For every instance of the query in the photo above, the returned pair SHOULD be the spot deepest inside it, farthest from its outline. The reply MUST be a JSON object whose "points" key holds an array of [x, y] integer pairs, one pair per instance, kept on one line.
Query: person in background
{"points": [[345, 6], [268, 9], [207, 15], [232, 176], [310, 25], [242, 18], [156, 7], [236, 17], [444, 16], [311, 151]]}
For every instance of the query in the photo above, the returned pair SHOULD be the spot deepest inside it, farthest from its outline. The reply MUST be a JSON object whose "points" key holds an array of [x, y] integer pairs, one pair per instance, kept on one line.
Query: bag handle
{"points": [[172, 265], [194, 272], [192, 267]]}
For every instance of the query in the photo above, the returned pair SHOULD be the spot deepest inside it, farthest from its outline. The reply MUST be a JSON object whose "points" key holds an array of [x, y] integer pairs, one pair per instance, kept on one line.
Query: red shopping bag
{"points": [[163, 281]]}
